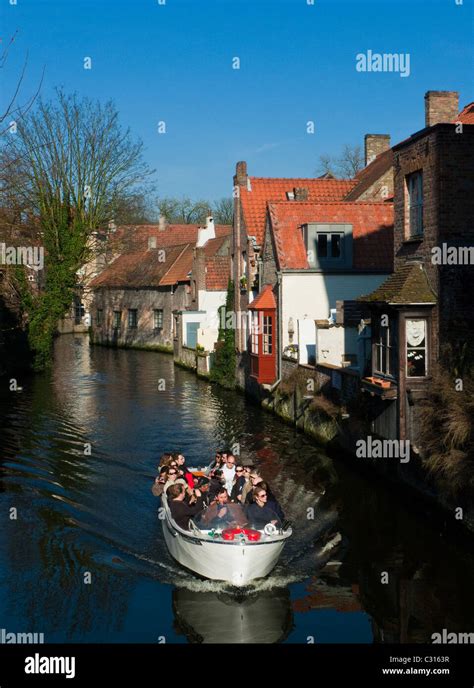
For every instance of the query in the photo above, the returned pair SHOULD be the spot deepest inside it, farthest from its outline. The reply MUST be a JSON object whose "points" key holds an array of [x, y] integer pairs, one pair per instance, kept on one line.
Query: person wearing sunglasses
{"points": [[238, 484], [259, 512], [257, 481], [173, 478]]}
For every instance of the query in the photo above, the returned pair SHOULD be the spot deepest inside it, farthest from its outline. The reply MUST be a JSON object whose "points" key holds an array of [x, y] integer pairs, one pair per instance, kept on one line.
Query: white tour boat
{"points": [[237, 556]]}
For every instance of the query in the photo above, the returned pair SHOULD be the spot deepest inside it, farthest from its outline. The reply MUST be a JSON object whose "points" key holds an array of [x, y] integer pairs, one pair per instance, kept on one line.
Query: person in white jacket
{"points": [[228, 473]]}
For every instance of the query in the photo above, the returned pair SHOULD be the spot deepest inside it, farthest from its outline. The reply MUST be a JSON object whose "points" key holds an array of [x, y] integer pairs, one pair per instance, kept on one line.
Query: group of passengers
{"points": [[226, 495]]}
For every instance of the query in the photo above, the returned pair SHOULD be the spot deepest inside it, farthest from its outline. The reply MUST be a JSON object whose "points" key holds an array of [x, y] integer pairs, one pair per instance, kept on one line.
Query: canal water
{"points": [[82, 556]]}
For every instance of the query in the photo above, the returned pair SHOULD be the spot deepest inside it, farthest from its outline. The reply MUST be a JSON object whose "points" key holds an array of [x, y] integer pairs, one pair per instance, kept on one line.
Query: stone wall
{"points": [[145, 301]]}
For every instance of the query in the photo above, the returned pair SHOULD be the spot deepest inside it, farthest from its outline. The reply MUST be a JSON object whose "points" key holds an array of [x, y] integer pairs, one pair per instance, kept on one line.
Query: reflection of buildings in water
{"points": [[207, 617], [322, 595]]}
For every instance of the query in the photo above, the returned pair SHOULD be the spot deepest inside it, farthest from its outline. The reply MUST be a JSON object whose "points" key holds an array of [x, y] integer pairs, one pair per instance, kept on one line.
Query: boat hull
{"points": [[237, 562]]}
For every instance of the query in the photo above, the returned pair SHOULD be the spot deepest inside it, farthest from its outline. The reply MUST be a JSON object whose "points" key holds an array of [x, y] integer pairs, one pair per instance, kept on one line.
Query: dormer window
{"points": [[328, 246]]}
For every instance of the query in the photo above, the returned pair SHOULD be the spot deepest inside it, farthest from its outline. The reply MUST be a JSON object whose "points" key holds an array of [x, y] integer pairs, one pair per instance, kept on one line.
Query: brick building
{"points": [[425, 308]]}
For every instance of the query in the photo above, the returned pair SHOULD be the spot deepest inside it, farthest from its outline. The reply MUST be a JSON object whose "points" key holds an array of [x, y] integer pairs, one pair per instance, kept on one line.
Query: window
{"points": [[415, 204], [99, 316], [383, 351], [117, 319], [158, 318], [267, 335], [416, 331], [255, 331], [329, 245], [132, 317]]}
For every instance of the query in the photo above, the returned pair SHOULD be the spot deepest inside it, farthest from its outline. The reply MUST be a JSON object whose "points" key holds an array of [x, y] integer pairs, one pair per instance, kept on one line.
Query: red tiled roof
{"points": [[370, 174], [142, 268], [217, 273], [135, 237], [266, 299], [372, 231], [466, 116], [265, 189], [180, 269]]}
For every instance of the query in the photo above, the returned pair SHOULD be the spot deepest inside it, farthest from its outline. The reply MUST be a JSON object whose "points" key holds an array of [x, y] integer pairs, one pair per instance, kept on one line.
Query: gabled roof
{"points": [[372, 231], [180, 269], [261, 190], [466, 116], [135, 237], [146, 268], [370, 174], [217, 273], [408, 285], [266, 299]]}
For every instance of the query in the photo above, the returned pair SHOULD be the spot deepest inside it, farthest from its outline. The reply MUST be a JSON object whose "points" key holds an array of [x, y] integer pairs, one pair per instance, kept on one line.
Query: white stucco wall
{"points": [[311, 296]]}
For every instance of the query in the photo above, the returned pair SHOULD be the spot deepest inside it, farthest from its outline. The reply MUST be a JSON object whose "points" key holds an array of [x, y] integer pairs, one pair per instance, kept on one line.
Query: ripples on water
{"points": [[83, 512]]}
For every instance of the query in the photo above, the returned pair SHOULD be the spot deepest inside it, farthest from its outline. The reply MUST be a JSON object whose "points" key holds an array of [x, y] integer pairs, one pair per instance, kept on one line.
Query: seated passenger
{"points": [[222, 514], [203, 485], [257, 481], [183, 469], [160, 482], [182, 511], [217, 482], [259, 513], [173, 479], [238, 484]]}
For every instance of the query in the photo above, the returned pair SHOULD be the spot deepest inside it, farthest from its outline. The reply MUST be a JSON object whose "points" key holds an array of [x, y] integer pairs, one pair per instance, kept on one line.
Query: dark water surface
{"points": [[82, 516]]}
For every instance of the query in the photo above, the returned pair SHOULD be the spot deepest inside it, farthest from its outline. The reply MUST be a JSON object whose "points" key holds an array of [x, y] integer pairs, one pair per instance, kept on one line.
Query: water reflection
{"points": [[206, 617], [93, 512]]}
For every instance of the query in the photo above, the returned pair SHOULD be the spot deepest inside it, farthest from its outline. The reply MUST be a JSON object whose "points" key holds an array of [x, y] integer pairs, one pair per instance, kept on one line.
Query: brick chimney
{"points": [[241, 177], [374, 145], [300, 193], [441, 106]]}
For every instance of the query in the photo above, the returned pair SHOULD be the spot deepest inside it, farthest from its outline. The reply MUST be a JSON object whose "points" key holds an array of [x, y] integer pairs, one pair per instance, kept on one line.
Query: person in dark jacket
{"points": [[182, 511], [257, 481], [238, 486], [259, 513], [216, 484]]}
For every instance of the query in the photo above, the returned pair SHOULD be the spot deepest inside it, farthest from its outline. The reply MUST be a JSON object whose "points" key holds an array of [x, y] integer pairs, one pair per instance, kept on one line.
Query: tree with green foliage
{"points": [[72, 167], [223, 369]]}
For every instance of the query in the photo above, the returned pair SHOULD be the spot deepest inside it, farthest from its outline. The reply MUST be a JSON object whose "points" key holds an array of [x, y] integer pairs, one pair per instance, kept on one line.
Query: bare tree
{"points": [[223, 211], [346, 166], [73, 166], [183, 210]]}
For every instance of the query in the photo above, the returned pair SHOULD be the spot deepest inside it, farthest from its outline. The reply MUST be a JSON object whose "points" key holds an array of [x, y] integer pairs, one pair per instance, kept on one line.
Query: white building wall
{"points": [[312, 295]]}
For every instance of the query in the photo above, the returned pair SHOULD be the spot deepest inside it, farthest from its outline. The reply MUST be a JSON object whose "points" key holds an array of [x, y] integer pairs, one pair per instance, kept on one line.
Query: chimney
{"points": [[162, 223], [206, 233], [374, 145], [300, 193], [152, 242], [441, 106], [240, 177]]}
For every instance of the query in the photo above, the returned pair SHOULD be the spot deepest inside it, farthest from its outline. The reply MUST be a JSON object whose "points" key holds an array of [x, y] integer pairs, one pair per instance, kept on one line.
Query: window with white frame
{"points": [[416, 347], [117, 317], [255, 331], [383, 351], [158, 318], [132, 317], [267, 343]]}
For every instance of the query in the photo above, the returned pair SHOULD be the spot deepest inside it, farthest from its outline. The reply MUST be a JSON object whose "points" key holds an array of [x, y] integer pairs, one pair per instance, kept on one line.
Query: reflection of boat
{"points": [[237, 561], [207, 617]]}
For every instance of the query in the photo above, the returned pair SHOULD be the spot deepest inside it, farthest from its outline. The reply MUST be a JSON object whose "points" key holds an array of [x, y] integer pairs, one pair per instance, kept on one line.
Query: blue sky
{"points": [[173, 63]]}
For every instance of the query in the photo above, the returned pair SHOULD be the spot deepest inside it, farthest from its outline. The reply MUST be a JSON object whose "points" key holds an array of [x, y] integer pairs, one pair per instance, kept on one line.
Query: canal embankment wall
{"points": [[329, 405]]}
